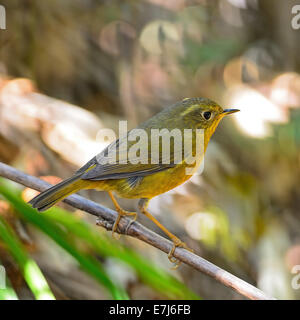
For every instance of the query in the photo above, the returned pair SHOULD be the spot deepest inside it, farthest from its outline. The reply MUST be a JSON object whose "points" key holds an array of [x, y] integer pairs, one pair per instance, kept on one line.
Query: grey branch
{"points": [[106, 218]]}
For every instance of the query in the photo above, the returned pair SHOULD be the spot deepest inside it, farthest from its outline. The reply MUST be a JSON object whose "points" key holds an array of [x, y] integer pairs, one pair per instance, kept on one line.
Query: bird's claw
{"points": [[177, 243], [122, 213]]}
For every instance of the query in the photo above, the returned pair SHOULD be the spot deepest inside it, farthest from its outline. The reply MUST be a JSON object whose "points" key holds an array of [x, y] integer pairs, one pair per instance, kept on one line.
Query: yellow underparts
{"points": [[148, 187]]}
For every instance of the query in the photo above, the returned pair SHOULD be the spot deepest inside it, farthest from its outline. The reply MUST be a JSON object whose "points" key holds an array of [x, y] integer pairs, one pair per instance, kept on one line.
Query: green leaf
{"points": [[55, 220], [150, 274], [88, 263], [31, 272]]}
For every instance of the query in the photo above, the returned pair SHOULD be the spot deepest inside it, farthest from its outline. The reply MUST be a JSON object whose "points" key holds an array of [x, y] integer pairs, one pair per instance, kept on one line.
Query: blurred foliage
{"points": [[30, 270], [129, 59], [8, 293], [66, 230]]}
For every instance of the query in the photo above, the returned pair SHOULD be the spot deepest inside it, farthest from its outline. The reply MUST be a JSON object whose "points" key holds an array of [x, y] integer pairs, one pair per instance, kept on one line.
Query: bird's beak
{"points": [[229, 111]]}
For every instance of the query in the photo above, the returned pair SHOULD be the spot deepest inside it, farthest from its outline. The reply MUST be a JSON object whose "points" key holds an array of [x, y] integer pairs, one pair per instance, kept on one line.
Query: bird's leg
{"points": [[176, 241], [121, 212]]}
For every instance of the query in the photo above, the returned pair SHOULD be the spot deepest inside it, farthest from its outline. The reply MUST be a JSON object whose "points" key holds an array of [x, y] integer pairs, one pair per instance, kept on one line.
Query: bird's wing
{"points": [[102, 167]]}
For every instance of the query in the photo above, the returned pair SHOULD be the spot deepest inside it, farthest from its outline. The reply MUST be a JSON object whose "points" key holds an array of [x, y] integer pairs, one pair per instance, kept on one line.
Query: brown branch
{"points": [[106, 218]]}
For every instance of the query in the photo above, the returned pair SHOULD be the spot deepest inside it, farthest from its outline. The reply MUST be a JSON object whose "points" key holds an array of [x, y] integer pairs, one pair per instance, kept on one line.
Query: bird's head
{"points": [[202, 113]]}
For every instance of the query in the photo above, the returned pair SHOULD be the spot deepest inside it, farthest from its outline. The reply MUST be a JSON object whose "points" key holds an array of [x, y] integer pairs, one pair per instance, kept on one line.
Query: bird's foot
{"points": [[177, 243], [122, 213]]}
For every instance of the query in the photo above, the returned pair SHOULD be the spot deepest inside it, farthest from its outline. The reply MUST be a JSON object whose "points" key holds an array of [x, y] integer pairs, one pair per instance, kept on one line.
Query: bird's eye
{"points": [[207, 115]]}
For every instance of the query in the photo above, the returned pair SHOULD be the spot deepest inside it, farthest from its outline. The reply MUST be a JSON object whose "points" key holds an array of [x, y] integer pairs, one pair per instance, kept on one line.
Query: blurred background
{"points": [[69, 68]]}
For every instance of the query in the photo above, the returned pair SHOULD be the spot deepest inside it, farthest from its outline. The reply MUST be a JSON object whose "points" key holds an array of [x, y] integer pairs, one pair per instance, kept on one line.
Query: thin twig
{"points": [[106, 217]]}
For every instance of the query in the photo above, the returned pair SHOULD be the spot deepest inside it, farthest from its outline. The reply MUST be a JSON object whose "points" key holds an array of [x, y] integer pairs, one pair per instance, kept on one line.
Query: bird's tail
{"points": [[51, 196]]}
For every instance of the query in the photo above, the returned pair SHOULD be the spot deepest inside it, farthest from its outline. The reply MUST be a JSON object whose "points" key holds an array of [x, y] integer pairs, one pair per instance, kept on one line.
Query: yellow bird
{"points": [[141, 177]]}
